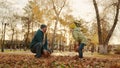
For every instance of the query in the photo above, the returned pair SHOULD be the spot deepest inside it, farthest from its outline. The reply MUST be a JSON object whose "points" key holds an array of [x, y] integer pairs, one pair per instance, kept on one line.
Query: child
{"points": [[80, 38]]}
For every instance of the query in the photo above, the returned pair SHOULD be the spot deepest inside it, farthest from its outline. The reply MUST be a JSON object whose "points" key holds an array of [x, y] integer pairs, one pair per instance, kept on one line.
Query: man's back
{"points": [[37, 38]]}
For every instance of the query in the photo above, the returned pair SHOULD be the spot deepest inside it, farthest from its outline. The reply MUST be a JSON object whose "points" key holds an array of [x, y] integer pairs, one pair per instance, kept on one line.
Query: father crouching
{"points": [[39, 43]]}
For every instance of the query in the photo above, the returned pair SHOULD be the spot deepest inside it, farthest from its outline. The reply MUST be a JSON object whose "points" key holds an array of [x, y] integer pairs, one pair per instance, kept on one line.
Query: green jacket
{"points": [[79, 36], [37, 38]]}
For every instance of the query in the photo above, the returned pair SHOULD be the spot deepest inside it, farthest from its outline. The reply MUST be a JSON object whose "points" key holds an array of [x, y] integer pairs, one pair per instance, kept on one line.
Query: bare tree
{"points": [[5, 16], [27, 19], [103, 43], [114, 25], [13, 25], [57, 13]]}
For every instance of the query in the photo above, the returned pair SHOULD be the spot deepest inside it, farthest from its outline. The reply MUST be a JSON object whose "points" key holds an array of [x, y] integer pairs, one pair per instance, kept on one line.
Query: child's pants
{"points": [[81, 47]]}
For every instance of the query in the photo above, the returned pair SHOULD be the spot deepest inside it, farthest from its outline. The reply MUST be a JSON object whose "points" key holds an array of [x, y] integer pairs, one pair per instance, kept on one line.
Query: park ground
{"points": [[25, 59]]}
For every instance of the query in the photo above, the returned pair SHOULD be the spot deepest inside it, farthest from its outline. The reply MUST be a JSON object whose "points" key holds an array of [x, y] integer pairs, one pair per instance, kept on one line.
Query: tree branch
{"points": [[114, 25]]}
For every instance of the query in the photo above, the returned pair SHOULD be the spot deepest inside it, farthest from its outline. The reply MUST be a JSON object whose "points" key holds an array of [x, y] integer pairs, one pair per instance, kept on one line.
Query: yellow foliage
{"points": [[36, 12], [94, 39], [63, 22]]}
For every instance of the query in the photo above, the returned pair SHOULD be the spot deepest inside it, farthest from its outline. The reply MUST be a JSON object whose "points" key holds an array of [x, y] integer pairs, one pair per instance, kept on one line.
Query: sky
{"points": [[19, 5], [81, 9]]}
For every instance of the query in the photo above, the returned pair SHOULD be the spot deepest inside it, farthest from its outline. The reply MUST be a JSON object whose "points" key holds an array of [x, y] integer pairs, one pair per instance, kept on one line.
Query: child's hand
{"points": [[76, 48]]}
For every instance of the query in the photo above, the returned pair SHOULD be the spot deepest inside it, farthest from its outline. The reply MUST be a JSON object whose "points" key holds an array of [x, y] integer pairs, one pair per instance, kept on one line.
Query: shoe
{"points": [[37, 56], [80, 57]]}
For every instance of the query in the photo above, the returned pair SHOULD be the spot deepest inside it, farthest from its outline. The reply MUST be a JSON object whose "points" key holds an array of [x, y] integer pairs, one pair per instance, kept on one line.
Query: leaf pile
{"points": [[28, 61]]}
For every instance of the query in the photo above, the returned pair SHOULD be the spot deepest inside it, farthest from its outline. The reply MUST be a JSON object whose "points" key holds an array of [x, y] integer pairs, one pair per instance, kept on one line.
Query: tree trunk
{"points": [[12, 45], [98, 22], [64, 44], [2, 47], [2, 38], [70, 48], [103, 49], [27, 35], [54, 33], [32, 29]]}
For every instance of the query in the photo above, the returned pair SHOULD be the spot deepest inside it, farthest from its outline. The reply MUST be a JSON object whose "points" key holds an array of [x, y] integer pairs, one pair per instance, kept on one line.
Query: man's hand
{"points": [[46, 53]]}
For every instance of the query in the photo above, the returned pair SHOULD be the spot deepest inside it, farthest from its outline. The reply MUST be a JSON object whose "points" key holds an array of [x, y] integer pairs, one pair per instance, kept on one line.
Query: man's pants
{"points": [[81, 47], [38, 49]]}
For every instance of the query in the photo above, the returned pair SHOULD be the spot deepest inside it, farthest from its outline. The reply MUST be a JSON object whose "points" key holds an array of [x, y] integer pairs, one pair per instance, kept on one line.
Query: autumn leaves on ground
{"points": [[13, 60]]}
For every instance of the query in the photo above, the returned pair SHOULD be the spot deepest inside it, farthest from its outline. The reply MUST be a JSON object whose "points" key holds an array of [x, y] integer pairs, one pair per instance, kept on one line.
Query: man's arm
{"points": [[46, 44], [39, 36]]}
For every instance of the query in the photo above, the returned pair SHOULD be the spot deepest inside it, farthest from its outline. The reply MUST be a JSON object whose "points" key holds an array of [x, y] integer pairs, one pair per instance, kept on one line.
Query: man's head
{"points": [[43, 28]]}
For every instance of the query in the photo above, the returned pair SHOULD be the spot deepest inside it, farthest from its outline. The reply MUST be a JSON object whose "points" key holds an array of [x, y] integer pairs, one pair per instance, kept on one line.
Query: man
{"points": [[79, 38], [39, 43]]}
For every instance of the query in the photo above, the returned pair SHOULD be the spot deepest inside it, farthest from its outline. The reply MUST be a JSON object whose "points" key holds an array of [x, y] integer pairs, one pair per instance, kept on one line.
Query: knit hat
{"points": [[72, 26]]}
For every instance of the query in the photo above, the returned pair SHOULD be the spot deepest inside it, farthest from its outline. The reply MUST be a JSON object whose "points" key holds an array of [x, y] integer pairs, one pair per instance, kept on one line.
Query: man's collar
{"points": [[41, 30]]}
